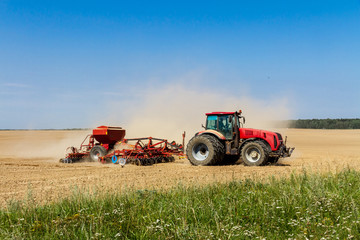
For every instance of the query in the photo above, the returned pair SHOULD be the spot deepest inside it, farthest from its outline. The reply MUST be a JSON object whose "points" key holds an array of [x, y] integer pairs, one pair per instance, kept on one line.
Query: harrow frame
{"points": [[145, 152]]}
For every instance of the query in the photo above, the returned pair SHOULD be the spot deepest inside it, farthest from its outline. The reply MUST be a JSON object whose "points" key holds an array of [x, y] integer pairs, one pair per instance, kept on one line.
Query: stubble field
{"points": [[30, 168]]}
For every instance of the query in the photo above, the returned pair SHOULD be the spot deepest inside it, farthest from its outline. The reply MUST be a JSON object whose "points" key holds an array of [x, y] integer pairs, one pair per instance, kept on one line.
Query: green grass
{"points": [[312, 206]]}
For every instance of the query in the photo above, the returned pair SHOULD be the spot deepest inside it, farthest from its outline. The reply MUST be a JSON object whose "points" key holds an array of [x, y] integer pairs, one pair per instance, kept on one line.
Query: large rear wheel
{"points": [[254, 153], [205, 150]]}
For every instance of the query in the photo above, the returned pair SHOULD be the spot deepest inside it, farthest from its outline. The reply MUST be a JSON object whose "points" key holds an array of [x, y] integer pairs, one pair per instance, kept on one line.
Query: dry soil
{"points": [[30, 168]]}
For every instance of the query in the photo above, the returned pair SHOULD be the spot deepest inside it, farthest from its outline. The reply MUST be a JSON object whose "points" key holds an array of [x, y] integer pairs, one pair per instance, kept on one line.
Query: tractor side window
{"points": [[211, 122]]}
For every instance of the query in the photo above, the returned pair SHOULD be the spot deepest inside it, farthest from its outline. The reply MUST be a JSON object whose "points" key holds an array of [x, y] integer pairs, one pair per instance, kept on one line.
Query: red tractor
{"points": [[224, 141]]}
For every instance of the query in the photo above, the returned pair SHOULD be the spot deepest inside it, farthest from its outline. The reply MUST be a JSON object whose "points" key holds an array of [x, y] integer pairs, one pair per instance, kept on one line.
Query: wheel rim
{"points": [[253, 154], [96, 154], [200, 152]]}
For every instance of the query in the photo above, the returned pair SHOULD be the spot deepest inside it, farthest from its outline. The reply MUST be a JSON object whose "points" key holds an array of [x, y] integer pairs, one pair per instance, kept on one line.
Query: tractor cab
{"points": [[223, 122]]}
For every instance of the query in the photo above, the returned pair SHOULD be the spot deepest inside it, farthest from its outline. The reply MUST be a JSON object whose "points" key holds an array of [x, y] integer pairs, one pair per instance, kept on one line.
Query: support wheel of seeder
{"points": [[96, 152]]}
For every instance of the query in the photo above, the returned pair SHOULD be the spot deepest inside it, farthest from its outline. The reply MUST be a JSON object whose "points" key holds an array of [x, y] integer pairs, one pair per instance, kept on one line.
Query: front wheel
{"points": [[254, 154]]}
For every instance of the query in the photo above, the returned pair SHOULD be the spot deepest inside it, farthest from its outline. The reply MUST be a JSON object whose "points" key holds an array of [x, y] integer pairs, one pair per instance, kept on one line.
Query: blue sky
{"points": [[64, 63]]}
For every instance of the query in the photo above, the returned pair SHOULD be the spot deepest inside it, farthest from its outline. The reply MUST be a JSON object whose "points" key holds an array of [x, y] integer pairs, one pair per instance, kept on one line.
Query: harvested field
{"points": [[29, 167]]}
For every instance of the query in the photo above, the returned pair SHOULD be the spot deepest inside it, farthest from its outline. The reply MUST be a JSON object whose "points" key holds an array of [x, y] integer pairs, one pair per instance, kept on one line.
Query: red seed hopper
{"points": [[108, 135]]}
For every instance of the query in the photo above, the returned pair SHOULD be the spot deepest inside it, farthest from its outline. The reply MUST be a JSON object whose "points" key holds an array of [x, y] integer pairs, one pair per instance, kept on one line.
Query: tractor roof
{"points": [[220, 113]]}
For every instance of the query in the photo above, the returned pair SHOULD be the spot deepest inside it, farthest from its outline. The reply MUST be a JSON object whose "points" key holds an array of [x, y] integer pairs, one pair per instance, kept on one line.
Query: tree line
{"points": [[343, 123]]}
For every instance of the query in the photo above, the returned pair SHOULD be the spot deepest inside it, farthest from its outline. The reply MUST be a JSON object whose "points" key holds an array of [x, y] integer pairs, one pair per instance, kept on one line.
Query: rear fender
{"points": [[213, 133]]}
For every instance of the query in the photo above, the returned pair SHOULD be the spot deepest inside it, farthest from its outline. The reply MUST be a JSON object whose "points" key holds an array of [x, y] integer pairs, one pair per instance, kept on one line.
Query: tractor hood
{"points": [[273, 138], [257, 133]]}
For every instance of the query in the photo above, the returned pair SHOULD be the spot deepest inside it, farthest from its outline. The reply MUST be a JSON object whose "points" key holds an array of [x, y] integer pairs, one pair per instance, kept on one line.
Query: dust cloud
{"points": [[163, 112], [47, 145], [167, 112]]}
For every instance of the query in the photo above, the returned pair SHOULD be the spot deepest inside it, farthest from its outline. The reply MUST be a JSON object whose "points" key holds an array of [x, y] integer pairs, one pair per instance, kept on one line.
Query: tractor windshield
{"points": [[220, 123], [211, 122]]}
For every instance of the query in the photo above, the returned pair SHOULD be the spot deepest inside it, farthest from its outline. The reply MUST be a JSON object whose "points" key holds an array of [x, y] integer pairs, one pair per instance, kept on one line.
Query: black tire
{"points": [[254, 153], [205, 150], [230, 159], [96, 152]]}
